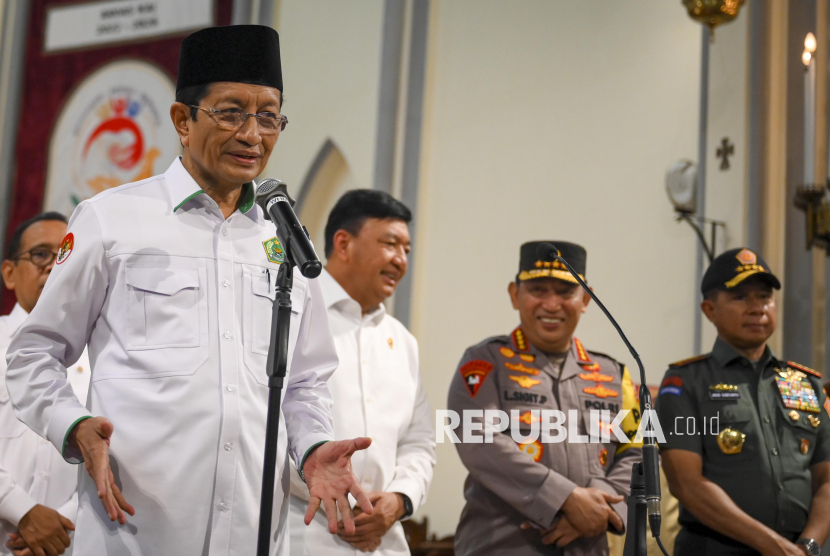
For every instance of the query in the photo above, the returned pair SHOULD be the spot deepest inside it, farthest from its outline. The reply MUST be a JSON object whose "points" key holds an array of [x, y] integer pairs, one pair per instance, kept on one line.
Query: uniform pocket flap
{"points": [[165, 281], [736, 414]]}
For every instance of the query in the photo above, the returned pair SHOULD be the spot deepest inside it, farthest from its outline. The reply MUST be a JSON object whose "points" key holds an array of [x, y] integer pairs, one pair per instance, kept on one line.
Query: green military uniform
{"points": [[758, 427], [510, 483]]}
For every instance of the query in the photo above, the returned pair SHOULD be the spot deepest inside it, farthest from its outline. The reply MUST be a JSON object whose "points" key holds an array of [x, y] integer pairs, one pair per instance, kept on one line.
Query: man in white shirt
{"points": [[170, 281], [377, 388], [38, 490]]}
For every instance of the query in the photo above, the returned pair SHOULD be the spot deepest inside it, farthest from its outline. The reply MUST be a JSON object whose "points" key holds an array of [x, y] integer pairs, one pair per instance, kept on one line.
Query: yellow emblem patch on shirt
{"points": [[534, 449], [596, 377], [600, 391], [526, 381], [518, 367]]}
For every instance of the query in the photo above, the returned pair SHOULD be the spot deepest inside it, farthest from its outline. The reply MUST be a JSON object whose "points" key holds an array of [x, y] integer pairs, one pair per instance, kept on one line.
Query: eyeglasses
{"points": [[233, 118], [38, 256]]}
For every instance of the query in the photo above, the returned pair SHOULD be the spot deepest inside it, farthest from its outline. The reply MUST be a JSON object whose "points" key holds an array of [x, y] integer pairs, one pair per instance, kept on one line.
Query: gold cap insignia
{"points": [[745, 256]]}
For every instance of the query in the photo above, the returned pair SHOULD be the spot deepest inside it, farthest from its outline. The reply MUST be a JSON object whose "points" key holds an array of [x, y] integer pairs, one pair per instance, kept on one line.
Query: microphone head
{"points": [[547, 252], [266, 190]]}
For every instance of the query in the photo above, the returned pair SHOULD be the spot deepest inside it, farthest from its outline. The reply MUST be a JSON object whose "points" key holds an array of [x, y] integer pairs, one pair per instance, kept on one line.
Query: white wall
{"points": [[331, 69], [552, 120]]}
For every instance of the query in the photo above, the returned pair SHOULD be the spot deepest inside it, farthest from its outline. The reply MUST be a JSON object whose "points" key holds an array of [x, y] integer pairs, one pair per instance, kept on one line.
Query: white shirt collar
{"points": [[335, 295], [183, 187], [16, 318]]}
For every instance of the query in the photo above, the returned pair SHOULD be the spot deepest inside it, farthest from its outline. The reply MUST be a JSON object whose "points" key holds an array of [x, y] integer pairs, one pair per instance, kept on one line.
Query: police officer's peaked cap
{"points": [[236, 53], [732, 267], [531, 268]]}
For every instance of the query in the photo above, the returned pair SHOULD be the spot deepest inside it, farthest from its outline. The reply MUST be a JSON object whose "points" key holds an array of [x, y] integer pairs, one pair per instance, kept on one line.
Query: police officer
{"points": [[747, 434], [532, 498]]}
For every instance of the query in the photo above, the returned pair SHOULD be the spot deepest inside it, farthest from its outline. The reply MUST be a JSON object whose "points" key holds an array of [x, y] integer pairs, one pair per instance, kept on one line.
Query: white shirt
{"points": [[175, 304], [377, 393], [31, 470]]}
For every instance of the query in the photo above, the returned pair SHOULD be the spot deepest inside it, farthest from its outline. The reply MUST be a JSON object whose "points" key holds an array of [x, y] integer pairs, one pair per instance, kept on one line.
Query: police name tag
{"points": [[724, 392]]}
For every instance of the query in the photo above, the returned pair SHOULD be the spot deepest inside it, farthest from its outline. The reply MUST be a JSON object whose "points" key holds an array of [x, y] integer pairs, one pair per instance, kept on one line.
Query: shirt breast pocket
{"points": [[259, 291], [799, 438], [166, 320], [720, 446]]}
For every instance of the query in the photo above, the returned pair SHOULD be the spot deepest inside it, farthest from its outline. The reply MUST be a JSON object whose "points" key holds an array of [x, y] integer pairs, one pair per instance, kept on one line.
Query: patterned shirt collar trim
{"points": [[183, 188]]}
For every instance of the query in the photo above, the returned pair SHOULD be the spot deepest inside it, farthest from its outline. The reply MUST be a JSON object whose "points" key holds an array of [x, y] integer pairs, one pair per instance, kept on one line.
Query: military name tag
{"points": [[796, 391], [724, 392]]}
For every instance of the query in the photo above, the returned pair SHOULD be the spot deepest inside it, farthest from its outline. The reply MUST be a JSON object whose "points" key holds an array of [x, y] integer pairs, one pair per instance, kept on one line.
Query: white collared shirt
{"points": [[377, 393], [31, 470], [175, 303]]}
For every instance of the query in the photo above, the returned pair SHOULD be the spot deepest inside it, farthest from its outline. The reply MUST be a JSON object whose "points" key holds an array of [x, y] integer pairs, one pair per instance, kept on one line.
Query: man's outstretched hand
{"points": [[328, 474], [92, 438]]}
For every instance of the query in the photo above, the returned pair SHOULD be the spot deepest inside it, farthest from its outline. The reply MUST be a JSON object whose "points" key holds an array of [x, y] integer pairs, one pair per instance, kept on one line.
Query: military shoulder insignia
{"points": [[524, 381], [519, 339], [273, 250], [474, 372], [807, 370], [583, 358], [690, 360], [66, 247]]}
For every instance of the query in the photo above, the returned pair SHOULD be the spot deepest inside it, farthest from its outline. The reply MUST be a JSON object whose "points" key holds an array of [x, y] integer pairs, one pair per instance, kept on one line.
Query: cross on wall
{"points": [[725, 150]]}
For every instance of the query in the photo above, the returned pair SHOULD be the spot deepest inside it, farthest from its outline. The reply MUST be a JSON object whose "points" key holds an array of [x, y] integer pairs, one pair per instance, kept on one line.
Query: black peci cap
{"points": [[531, 268], [732, 267], [236, 53]]}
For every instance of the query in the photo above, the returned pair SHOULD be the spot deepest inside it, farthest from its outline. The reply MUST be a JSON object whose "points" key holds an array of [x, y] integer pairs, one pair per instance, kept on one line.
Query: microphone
{"points": [[651, 467], [273, 199]]}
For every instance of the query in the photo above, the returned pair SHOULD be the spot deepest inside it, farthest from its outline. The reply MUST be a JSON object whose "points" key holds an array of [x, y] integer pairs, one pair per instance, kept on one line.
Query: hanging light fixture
{"points": [[713, 12]]}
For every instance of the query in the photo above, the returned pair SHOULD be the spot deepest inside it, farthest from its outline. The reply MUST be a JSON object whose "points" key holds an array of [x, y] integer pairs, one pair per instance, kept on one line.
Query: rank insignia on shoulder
{"points": [[596, 377], [600, 391], [807, 370], [519, 340], [684, 362], [520, 368], [273, 250], [524, 381], [534, 449], [724, 392], [474, 372], [507, 352]]}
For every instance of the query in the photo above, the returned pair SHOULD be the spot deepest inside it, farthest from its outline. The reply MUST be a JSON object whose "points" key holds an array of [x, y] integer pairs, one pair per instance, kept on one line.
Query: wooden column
{"points": [[819, 296]]}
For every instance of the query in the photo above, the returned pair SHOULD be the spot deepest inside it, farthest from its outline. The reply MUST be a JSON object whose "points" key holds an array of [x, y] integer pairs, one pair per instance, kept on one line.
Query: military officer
{"points": [[536, 498], [747, 434]]}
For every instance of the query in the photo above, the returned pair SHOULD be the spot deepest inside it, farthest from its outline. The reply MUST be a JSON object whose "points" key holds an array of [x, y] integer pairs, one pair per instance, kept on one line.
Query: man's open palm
{"points": [[328, 474]]}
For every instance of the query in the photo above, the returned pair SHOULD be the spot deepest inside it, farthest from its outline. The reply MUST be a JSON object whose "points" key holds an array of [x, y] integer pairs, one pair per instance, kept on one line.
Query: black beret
{"points": [[732, 267], [236, 53], [530, 267]]}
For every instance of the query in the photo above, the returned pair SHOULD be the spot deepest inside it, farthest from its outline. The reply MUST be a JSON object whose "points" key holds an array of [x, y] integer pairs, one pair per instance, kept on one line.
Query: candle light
{"points": [[809, 107]]}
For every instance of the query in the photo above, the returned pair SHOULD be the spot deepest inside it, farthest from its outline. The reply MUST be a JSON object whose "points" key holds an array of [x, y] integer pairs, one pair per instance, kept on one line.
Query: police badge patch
{"points": [[273, 250], [474, 372], [66, 247]]}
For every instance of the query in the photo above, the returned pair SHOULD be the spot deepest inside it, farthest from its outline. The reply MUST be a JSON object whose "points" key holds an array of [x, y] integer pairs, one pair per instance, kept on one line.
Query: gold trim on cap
{"points": [[548, 273], [743, 276]]}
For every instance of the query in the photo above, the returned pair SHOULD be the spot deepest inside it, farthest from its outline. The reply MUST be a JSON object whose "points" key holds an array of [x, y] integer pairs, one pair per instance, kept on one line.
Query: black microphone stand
{"points": [[276, 369], [645, 482]]}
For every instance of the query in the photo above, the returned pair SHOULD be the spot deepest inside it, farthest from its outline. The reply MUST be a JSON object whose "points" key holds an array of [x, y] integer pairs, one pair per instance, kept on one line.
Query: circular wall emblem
{"points": [[66, 247], [114, 129]]}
